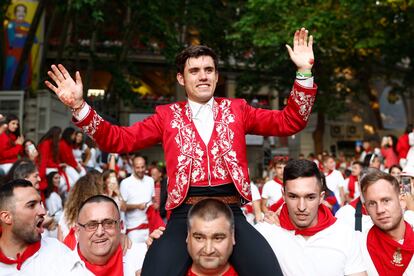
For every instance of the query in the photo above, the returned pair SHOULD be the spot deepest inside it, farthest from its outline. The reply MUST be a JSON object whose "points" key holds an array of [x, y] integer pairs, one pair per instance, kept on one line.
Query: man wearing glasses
{"points": [[99, 235]]}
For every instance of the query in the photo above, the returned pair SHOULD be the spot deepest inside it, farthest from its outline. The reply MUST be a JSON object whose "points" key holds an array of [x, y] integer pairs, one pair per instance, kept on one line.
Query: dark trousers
{"points": [[168, 256]]}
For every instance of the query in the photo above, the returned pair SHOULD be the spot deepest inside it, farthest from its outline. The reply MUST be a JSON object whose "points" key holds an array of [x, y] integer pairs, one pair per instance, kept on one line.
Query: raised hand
{"points": [[302, 52], [69, 91]]}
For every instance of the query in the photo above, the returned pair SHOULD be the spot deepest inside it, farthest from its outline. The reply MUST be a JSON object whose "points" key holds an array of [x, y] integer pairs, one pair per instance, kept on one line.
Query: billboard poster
{"points": [[19, 17]]}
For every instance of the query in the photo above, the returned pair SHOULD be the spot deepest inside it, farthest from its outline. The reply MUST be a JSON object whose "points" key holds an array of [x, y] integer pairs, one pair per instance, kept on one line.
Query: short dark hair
{"points": [[210, 209], [194, 51], [373, 175], [7, 189], [97, 199], [296, 168], [24, 169]]}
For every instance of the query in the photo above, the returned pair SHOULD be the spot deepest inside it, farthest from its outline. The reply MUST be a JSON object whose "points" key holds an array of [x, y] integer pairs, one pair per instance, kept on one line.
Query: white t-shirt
{"points": [[54, 205], [334, 181], [332, 251], [272, 191], [255, 192], [137, 191], [53, 258], [132, 260], [346, 189], [371, 270]]}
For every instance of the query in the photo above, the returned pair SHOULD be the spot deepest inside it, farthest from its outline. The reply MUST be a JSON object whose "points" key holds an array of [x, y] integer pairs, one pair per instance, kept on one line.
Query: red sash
{"points": [[351, 185], [154, 219], [325, 219], [70, 239], [114, 266], [21, 258], [354, 203], [390, 257], [139, 227], [229, 272]]}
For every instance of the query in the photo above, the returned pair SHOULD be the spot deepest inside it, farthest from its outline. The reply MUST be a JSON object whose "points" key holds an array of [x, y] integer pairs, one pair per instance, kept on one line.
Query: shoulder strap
{"points": [[358, 216]]}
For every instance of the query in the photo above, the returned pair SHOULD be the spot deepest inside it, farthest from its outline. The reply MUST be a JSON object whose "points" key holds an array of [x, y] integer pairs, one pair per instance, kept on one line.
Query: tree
{"points": [[353, 39]]}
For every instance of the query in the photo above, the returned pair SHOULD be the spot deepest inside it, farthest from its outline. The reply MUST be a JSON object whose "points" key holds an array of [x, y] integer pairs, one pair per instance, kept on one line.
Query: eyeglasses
{"points": [[92, 226]]}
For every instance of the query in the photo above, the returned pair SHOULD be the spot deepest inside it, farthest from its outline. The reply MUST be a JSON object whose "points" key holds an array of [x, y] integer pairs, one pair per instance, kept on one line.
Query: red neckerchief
{"points": [[114, 266], [70, 239], [325, 219], [274, 207], [328, 173], [21, 258], [229, 272], [390, 257], [354, 203], [351, 185], [278, 181]]}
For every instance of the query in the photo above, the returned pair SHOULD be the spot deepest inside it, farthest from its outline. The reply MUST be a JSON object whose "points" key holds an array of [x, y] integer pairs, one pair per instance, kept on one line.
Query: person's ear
{"points": [[180, 79], [322, 197], [6, 217]]}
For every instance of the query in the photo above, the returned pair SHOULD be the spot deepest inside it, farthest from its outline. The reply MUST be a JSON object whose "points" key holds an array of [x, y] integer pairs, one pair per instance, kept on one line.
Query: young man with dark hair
{"points": [[99, 240], [22, 249], [388, 247], [272, 190], [205, 148], [308, 232]]}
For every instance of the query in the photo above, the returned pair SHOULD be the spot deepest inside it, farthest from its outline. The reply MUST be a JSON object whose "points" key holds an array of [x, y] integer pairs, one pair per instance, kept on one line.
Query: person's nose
{"points": [[301, 205], [208, 248], [202, 75], [100, 230]]}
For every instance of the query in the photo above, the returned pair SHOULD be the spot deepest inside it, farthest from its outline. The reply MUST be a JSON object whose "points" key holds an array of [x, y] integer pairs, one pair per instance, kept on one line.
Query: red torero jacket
{"points": [[189, 161]]}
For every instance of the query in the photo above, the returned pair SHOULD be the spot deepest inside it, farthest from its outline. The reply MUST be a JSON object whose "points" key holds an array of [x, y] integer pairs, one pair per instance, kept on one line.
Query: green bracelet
{"points": [[303, 75]]}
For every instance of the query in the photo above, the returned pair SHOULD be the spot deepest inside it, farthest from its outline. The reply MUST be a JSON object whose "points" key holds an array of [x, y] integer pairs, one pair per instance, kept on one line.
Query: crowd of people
{"points": [[63, 212]]}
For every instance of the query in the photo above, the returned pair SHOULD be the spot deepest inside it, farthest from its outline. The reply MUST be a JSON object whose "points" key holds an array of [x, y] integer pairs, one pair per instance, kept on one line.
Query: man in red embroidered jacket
{"points": [[388, 246], [22, 249], [205, 148], [308, 232]]}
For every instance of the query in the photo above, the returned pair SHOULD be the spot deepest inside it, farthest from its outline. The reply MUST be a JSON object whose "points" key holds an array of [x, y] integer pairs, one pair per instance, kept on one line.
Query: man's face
{"points": [[199, 79], [27, 215], [279, 168], [210, 243], [303, 196], [376, 163], [156, 174], [383, 205], [330, 164], [102, 243], [20, 13], [34, 178], [139, 167], [356, 170]]}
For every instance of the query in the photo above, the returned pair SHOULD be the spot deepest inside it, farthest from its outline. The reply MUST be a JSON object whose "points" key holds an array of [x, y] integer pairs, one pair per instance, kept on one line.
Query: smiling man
{"points": [[204, 141], [99, 240], [22, 249], [308, 232], [388, 246]]}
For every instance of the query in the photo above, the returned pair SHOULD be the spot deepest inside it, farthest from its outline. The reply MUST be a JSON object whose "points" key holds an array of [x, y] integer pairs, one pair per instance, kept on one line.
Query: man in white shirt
{"points": [[272, 190], [388, 247], [99, 240], [138, 192], [334, 179], [22, 249], [310, 241]]}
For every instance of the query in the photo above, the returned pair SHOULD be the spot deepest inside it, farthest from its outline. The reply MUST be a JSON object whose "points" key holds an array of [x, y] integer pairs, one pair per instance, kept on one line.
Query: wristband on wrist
{"points": [[301, 75], [74, 109]]}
